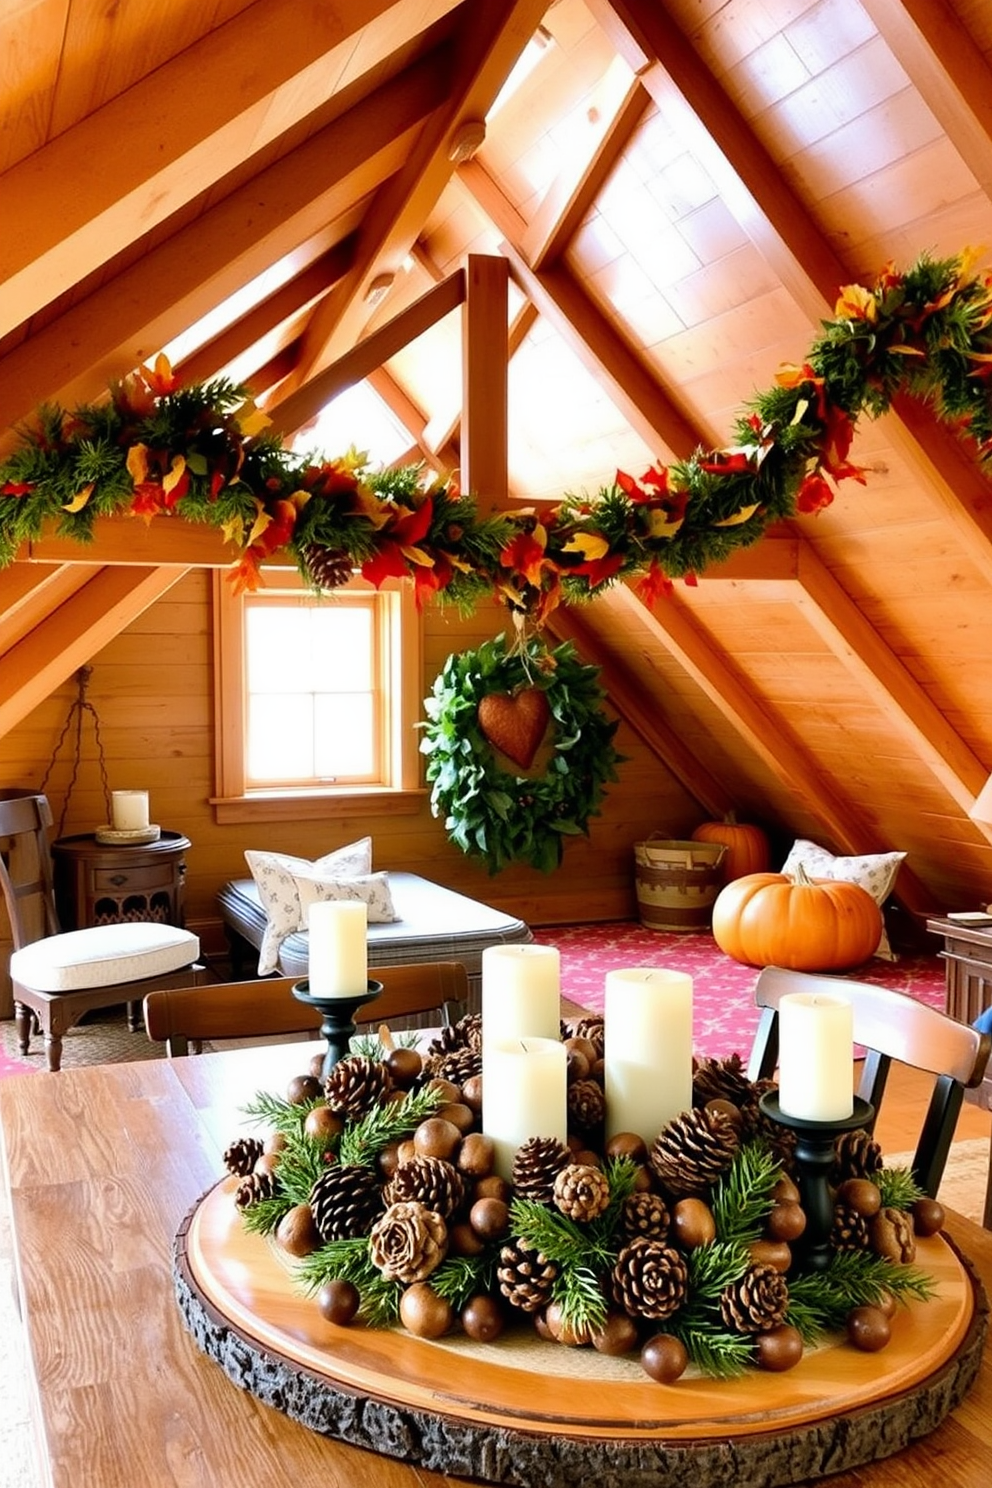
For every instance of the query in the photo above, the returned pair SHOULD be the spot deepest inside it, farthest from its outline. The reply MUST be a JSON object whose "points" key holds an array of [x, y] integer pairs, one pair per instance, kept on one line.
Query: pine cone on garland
{"points": [[586, 1105], [355, 1084], [856, 1155], [644, 1214], [581, 1192], [536, 1165], [650, 1279], [242, 1155], [755, 1303], [326, 568], [526, 1276], [431, 1181], [692, 1151], [408, 1242], [345, 1200], [253, 1188], [849, 1230]]}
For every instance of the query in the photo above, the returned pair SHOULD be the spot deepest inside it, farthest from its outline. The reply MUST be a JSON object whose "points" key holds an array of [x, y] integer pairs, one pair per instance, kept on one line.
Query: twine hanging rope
{"points": [[77, 712]]}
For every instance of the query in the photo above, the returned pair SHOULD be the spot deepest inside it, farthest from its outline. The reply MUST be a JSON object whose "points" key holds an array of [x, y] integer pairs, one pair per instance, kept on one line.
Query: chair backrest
{"points": [[266, 1007], [890, 1026], [26, 883]]}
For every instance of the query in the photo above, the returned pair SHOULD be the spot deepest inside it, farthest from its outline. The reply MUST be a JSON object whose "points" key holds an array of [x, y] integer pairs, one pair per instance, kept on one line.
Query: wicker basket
{"points": [[677, 882]]}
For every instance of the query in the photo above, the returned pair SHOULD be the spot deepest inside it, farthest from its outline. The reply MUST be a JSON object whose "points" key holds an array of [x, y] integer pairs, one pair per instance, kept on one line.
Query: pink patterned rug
{"points": [[724, 1016], [10, 1066]]}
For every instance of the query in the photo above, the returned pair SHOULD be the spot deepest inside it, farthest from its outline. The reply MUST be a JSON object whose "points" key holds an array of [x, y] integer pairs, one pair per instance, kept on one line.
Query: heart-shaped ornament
{"points": [[515, 725]]}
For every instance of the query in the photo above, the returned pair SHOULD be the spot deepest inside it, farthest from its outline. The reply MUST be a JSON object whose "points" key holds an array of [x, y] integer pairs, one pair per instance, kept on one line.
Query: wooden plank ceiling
{"points": [[290, 194]]}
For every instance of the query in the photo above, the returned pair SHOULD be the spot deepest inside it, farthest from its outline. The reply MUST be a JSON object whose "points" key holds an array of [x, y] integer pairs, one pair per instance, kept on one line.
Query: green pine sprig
{"points": [[350, 1260], [819, 1301], [742, 1197], [362, 1141], [898, 1188]]}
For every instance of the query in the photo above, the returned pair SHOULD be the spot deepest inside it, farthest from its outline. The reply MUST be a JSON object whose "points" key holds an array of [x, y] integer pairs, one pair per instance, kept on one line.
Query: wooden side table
{"points": [[967, 957], [97, 884]]}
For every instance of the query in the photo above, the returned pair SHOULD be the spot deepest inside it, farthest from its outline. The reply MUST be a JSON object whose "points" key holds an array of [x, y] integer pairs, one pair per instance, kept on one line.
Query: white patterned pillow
{"points": [[273, 875], [372, 890], [875, 872]]}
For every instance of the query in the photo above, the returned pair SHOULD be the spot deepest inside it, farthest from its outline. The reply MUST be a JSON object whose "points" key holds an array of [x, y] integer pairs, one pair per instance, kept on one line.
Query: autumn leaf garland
{"points": [[206, 454]]}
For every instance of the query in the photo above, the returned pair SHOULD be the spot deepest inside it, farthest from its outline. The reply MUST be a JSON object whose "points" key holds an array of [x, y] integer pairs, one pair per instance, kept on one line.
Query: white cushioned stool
{"points": [[58, 977]]}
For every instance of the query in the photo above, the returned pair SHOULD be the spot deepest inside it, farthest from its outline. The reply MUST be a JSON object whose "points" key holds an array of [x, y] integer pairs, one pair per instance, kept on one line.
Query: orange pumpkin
{"points": [[791, 920], [747, 846]]}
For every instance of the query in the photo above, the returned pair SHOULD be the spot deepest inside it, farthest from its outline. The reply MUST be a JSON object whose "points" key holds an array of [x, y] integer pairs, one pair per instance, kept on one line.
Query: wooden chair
{"points": [[266, 1007], [57, 977], [890, 1026]]}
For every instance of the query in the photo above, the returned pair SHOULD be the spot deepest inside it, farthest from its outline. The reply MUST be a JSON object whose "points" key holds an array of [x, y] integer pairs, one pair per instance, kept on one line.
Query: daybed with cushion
{"points": [[432, 924]]}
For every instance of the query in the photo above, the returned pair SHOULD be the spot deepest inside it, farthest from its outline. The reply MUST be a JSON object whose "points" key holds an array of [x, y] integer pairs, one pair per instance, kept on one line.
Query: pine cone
{"points": [[849, 1230], [431, 1181], [345, 1200], [355, 1084], [586, 1105], [242, 1155], [650, 1279], [694, 1150], [856, 1155], [592, 1029], [721, 1079], [525, 1276], [644, 1214], [327, 568], [536, 1165], [581, 1192], [465, 1034], [408, 1242], [456, 1065], [254, 1187], [755, 1303]]}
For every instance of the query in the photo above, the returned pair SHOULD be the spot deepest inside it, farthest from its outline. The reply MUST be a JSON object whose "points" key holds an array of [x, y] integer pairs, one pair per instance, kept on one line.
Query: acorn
{"points": [[458, 1113], [562, 1332], [322, 1125], [693, 1223], [404, 1065], [472, 1093], [618, 1335], [728, 1109], [774, 1253], [476, 1155], [303, 1088], [868, 1329], [463, 1240], [490, 1218], [492, 1187], [664, 1358], [861, 1195], [627, 1144], [778, 1348], [482, 1318], [338, 1301], [275, 1142], [786, 1221], [423, 1313], [785, 1191], [928, 1216], [296, 1232], [436, 1137], [577, 1066], [446, 1090]]}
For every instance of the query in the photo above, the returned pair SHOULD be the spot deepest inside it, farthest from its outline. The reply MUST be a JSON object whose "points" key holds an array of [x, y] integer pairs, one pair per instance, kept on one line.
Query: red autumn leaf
{"points": [[329, 479], [690, 580], [279, 531], [653, 586], [148, 499], [813, 494], [724, 462], [178, 491], [245, 576], [526, 555], [630, 487], [16, 488], [839, 436], [657, 477], [428, 581], [413, 526], [598, 570], [387, 563]]}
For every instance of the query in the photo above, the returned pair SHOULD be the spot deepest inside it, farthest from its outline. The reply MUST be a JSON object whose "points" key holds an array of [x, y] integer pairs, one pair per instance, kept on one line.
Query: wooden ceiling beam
{"points": [[493, 35], [780, 227], [28, 591], [948, 71], [296, 409], [131, 317], [174, 151], [485, 362], [414, 421], [69, 635], [640, 713]]}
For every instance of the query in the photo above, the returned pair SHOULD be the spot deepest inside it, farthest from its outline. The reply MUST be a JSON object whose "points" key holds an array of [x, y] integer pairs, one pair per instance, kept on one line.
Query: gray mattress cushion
{"points": [[435, 924]]}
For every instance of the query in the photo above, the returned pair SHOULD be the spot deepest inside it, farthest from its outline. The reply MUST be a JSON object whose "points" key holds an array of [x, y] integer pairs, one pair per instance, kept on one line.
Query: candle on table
{"points": [[647, 1055], [816, 1056], [338, 960], [129, 810], [521, 992], [524, 1094]]}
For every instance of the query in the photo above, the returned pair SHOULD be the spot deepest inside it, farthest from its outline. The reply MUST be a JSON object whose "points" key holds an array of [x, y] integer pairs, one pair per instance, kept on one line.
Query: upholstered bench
{"points": [[434, 924]]}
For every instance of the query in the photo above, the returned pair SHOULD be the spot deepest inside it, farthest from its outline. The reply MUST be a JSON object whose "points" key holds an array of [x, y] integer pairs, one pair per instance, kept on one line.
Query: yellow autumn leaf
{"points": [[417, 556], [369, 505], [233, 531], [856, 303], [662, 525], [590, 544], [137, 463], [906, 351], [738, 516], [174, 474], [80, 499], [262, 520], [253, 422], [800, 412], [979, 356]]}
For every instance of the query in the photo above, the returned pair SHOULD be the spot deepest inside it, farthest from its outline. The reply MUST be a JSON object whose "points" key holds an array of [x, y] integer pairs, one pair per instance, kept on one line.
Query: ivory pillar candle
{"points": [[129, 810], [647, 1055], [816, 1056], [524, 1094], [338, 962], [521, 992]]}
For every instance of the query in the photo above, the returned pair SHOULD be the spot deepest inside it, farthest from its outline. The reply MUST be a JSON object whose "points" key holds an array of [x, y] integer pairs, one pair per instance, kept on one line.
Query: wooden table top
{"points": [[102, 1164]]}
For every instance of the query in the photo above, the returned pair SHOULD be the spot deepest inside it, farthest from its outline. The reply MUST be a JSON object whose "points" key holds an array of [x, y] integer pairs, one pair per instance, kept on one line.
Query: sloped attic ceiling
{"points": [[680, 188]]}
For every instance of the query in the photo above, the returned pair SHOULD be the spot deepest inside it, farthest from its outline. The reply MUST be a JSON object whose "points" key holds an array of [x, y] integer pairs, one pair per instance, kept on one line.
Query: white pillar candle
{"points": [[647, 1055], [521, 992], [129, 810], [816, 1056], [524, 1094], [338, 961]]}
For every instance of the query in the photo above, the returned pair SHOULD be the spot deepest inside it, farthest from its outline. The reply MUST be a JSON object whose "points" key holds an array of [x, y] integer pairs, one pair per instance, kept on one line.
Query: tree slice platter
{"points": [[522, 1411]]}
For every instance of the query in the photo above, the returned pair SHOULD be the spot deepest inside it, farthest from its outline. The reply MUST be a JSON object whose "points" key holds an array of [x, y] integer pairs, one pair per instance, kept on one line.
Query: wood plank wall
{"points": [[152, 689]]}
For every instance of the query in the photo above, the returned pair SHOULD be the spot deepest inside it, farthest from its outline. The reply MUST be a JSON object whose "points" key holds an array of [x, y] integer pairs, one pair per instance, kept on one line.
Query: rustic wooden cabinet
{"points": [[967, 956], [96, 884]]}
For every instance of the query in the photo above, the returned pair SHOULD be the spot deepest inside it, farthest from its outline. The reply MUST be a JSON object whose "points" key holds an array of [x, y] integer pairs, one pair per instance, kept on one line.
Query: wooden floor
{"points": [[903, 1109]]}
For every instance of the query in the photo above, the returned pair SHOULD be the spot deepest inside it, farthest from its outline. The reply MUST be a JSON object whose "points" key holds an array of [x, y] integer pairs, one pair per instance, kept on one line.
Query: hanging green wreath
{"points": [[519, 750]]}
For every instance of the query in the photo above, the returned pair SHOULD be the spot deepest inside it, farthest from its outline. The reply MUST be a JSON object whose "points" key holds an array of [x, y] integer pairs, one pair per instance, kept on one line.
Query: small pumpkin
{"points": [[748, 849], [794, 921]]}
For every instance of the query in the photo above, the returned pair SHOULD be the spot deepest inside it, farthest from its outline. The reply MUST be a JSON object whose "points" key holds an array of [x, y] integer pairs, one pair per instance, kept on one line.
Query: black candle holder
{"points": [[815, 1141], [338, 1026]]}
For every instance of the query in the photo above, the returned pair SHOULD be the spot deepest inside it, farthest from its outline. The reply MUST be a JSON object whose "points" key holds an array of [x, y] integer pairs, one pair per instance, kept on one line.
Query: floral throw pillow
{"points": [[274, 878], [875, 872], [372, 890]]}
